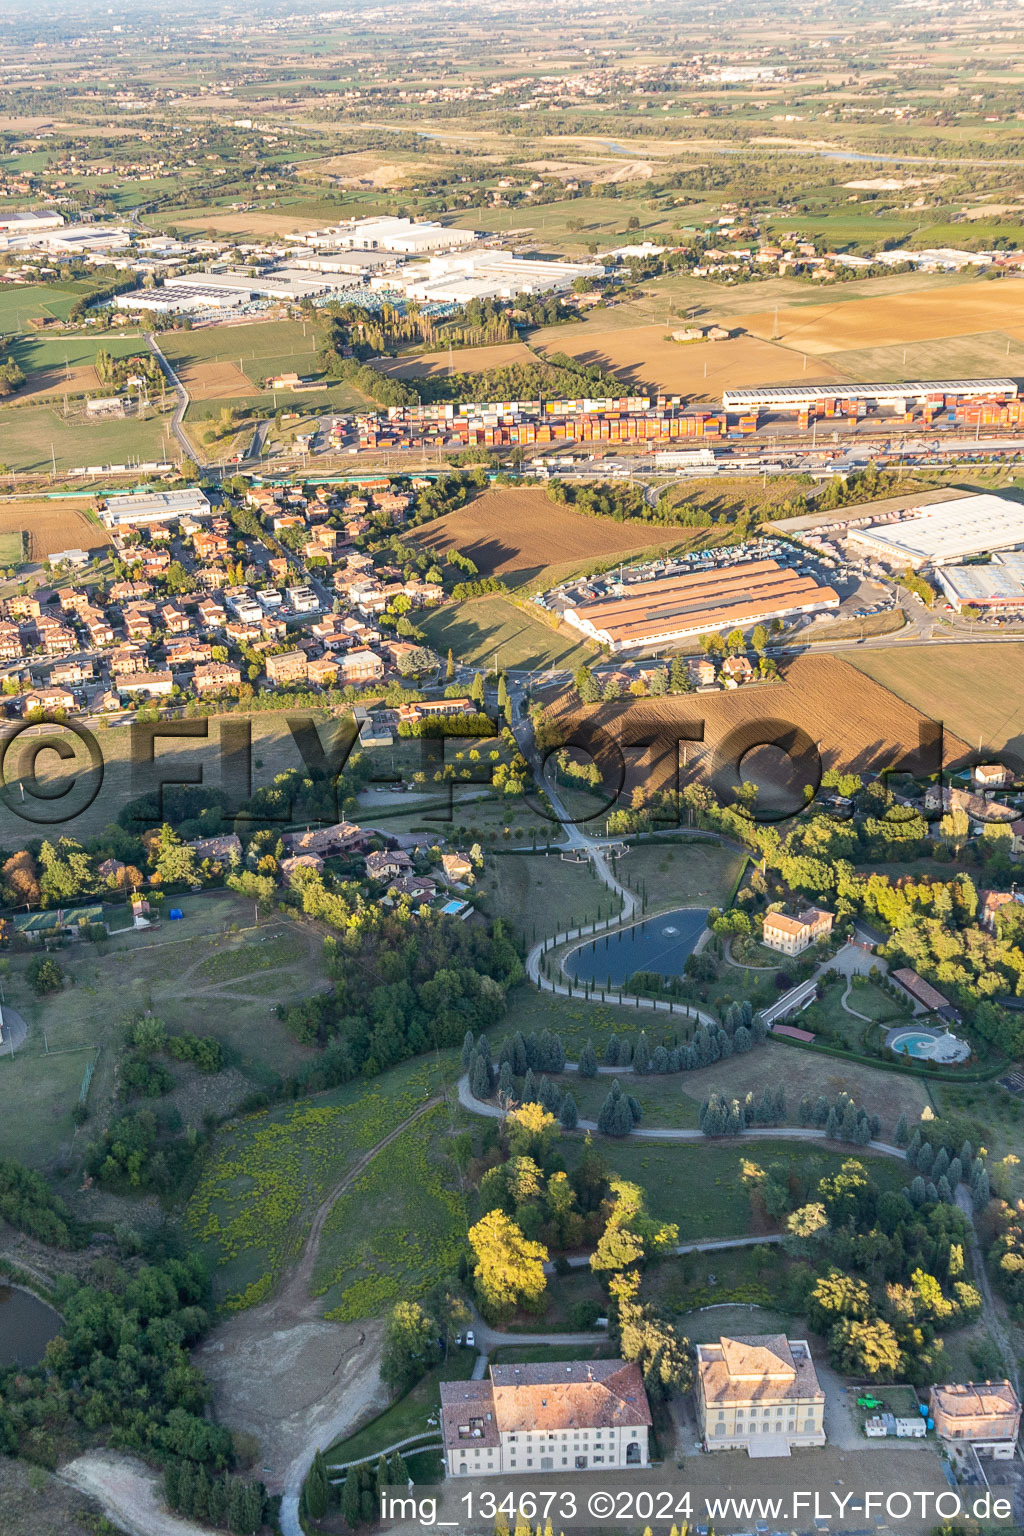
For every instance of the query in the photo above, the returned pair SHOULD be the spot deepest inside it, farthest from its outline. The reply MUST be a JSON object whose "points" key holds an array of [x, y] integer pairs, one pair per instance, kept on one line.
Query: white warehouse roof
{"points": [[792, 396], [154, 507], [947, 531]]}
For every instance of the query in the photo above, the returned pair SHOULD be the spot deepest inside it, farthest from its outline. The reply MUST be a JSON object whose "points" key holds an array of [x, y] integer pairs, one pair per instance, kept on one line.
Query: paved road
{"points": [[180, 391], [476, 1106]]}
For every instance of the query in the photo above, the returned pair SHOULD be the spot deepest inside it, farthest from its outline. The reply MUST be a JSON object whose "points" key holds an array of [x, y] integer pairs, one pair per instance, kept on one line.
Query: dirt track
{"points": [[283, 1374]]}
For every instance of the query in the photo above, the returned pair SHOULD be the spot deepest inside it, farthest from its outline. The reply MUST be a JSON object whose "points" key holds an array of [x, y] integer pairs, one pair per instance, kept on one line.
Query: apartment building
{"points": [[985, 1414], [288, 667], [791, 934], [580, 1416], [759, 1394]]}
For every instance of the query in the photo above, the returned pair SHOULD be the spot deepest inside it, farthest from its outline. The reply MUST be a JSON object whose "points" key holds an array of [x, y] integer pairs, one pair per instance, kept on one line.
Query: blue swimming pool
{"points": [[659, 944], [913, 1043]]}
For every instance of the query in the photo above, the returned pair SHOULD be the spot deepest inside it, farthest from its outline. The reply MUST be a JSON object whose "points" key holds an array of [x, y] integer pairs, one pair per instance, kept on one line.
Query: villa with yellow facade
{"points": [[760, 1394]]}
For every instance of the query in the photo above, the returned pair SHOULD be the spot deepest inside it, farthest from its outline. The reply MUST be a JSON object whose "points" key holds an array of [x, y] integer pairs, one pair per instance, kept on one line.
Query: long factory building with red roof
{"points": [[675, 608]]}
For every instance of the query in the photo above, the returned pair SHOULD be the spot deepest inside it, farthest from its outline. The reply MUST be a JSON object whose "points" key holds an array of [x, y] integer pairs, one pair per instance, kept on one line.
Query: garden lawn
{"points": [[540, 894], [683, 873], [268, 1173], [698, 1186], [414, 1236]]}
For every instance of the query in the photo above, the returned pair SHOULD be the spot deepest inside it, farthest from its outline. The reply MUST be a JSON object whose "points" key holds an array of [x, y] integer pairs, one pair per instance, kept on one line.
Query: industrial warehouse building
{"points": [[999, 584], [403, 237], [945, 532], [134, 511], [487, 275], [900, 396], [649, 613]]}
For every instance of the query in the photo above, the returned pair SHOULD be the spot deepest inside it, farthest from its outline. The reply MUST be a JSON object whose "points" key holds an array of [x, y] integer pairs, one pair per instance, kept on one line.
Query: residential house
{"points": [[12, 647], [984, 1414], [290, 867], [419, 888], [456, 867], [128, 658], [989, 904], [323, 671], [55, 638], [385, 865], [737, 670], [343, 838], [69, 673], [991, 776], [225, 849], [22, 606], [187, 652], [359, 666], [703, 673], [758, 1393], [137, 624], [584, 1415], [791, 934], [173, 619], [210, 612], [98, 627], [47, 698]]}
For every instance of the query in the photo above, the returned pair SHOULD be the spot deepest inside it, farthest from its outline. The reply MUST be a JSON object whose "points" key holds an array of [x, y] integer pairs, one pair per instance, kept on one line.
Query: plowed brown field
{"points": [[520, 535], [52, 525], [216, 381], [642, 356], [56, 381], [469, 360], [821, 706], [896, 320]]}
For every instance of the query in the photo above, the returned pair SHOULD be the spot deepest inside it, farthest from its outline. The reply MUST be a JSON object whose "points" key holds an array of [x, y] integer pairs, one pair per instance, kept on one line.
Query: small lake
{"points": [[659, 944], [26, 1326]]}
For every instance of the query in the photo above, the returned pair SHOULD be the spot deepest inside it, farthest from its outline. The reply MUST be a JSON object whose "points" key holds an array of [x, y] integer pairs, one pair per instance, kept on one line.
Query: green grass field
{"points": [[682, 874], [161, 971], [20, 304], [268, 1173], [966, 687], [489, 627], [543, 894], [990, 354], [698, 1186], [34, 353], [418, 1228], [11, 549], [27, 433], [260, 348]]}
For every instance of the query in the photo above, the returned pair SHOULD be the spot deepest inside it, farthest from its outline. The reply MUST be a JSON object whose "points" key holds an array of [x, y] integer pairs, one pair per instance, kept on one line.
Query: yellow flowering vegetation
{"points": [[266, 1176], [399, 1229]]}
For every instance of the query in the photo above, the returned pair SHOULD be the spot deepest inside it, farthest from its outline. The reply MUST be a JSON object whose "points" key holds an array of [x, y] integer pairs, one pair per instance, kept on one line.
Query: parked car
{"points": [[471, 1340]]}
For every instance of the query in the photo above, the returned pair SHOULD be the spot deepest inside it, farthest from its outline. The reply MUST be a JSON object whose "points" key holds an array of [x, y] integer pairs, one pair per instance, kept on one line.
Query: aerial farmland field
{"points": [[972, 689], [521, 536], [965, 310]]}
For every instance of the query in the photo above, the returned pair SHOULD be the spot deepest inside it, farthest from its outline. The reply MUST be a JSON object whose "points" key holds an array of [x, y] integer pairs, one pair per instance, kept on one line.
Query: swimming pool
{"points": [[659, 944], [913, 1043]]}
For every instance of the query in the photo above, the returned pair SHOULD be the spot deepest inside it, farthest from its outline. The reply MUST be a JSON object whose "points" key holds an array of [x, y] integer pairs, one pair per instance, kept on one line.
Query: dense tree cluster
{"points": [[121, 1364], [895, 1277], [28, 1203], [402, 985]]}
